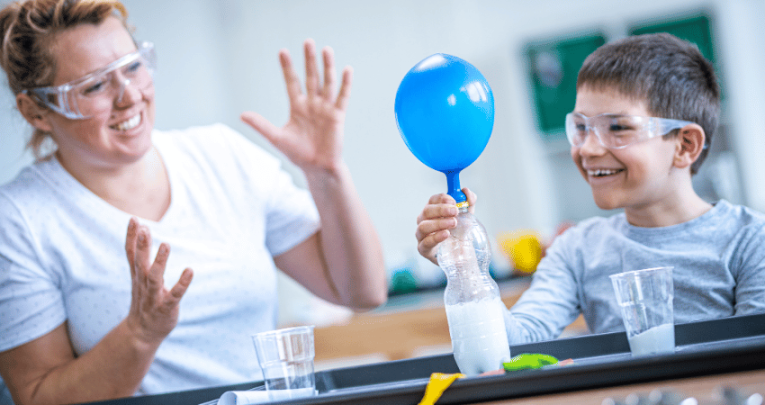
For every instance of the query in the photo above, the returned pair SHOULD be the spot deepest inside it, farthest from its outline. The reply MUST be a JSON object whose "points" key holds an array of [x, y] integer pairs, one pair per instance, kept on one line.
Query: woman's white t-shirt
{"points": [[233, 208]]}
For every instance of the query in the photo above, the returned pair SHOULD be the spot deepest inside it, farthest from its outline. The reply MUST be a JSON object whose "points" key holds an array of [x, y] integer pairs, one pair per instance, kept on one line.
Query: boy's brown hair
{"points": [[670, 74]]}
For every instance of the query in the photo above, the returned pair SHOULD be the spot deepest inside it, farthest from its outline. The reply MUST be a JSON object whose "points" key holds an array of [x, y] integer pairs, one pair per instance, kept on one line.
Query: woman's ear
{"points": [[34, 114], [690, 142]]}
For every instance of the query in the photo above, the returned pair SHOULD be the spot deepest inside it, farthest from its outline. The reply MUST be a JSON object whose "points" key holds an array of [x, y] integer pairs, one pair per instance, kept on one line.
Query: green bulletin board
{"points": [[693, 28], [554, 66]]}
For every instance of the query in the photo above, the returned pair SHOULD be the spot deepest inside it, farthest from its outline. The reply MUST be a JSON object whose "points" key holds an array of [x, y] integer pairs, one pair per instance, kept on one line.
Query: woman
{"points": [[78, 322]]}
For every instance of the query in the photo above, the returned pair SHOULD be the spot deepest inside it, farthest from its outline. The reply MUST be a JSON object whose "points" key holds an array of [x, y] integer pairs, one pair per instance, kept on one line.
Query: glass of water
{"points": [[286, 358]]}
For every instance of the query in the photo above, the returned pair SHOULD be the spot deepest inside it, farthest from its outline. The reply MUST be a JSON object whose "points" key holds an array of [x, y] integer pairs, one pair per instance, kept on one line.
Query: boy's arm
{"points": [[750, 275], [552, 301]]}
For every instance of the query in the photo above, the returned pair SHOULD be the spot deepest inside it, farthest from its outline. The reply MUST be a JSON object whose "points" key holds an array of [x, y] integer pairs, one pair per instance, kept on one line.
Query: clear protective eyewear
{"points": [[95, 92], [616, 131]]}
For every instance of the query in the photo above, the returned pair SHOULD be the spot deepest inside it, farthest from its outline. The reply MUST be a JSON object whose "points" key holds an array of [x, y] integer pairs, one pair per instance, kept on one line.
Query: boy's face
{"points": [[636, 177]]}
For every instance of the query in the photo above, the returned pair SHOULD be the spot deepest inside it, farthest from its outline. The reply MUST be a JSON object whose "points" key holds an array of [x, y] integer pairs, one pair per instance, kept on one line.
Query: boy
{"points": [[646, 109]]}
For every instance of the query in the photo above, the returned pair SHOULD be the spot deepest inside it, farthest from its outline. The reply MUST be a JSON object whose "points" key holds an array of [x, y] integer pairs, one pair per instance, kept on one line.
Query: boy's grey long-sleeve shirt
{"points": [[718, 260]]}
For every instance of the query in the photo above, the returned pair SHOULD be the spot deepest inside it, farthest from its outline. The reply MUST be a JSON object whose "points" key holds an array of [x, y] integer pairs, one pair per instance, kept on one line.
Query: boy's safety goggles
{"points": [[96, 92], [618, 131]]}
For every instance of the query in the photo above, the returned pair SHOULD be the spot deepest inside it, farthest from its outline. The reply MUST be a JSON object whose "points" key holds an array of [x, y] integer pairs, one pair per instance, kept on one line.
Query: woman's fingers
{"points": [[130, 241], [311, 71], [157, 269], [142, 254], [271, 132], [130, 250], [291, 79], [313, 84], [151, 274], [328, 90], [154, 309], [345, 89], [181, 286]]}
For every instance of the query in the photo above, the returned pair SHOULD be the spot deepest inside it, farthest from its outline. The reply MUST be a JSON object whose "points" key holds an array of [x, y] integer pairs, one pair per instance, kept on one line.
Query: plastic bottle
{"points": [[473, 305]]}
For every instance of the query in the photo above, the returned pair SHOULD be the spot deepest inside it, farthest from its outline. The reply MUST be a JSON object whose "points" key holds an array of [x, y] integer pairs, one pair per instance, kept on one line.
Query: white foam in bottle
{"points": [[479, 339]]}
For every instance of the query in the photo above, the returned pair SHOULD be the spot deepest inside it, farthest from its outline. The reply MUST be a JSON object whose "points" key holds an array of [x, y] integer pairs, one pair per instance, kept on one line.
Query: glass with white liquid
{"points": [[645, 298]]}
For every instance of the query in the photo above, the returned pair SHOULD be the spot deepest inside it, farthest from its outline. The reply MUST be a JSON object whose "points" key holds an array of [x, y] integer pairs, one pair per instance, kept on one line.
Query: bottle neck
{"points": [[463, 207]]}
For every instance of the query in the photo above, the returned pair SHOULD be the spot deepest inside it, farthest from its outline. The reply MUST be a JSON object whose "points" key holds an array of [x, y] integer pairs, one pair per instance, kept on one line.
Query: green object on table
{"points": [[529, 361]]}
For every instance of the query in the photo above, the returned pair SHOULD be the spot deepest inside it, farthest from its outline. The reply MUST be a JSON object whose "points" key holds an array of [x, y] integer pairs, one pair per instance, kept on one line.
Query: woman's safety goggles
{"points": [[618, 131], [96, 92]]}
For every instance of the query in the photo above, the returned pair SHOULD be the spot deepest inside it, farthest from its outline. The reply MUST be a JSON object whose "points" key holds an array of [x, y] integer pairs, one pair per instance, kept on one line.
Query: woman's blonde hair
{"points": [[29, 27]]}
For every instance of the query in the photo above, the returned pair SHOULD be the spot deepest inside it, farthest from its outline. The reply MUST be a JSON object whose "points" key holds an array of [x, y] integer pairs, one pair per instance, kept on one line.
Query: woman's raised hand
{"points": [[153, 308], [312, 138]]}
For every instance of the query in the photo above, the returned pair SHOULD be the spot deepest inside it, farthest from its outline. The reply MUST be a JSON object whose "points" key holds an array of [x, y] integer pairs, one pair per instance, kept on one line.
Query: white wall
{"points": [[218, 58], [13, 155]]}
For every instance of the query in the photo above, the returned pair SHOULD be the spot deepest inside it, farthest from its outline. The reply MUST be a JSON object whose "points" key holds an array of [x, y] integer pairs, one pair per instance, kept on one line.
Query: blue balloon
{"points": [[445, 113]]}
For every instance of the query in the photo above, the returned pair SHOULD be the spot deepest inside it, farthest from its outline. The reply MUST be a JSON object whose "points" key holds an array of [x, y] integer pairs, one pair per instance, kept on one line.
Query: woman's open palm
{"points": [[312, 138]]}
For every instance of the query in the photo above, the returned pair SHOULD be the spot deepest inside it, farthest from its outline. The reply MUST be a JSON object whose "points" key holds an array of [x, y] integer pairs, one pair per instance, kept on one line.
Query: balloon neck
{"points": [[455, 190]]}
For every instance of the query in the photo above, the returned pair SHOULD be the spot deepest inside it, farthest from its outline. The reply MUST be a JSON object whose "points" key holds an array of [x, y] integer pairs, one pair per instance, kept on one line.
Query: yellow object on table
{"points": [[438, 383], [523, 248]]}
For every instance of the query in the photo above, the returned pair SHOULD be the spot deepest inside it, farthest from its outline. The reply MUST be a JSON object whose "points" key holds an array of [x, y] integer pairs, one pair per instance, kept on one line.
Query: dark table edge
{"points": [[530, 382]]}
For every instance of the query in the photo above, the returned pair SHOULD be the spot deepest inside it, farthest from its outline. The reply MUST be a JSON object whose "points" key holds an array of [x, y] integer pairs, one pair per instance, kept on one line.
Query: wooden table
{"points": [[405, 328]]}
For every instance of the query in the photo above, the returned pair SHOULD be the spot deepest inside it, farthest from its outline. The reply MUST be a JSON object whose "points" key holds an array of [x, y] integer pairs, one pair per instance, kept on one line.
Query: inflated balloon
{"points": [[445, 113]]}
